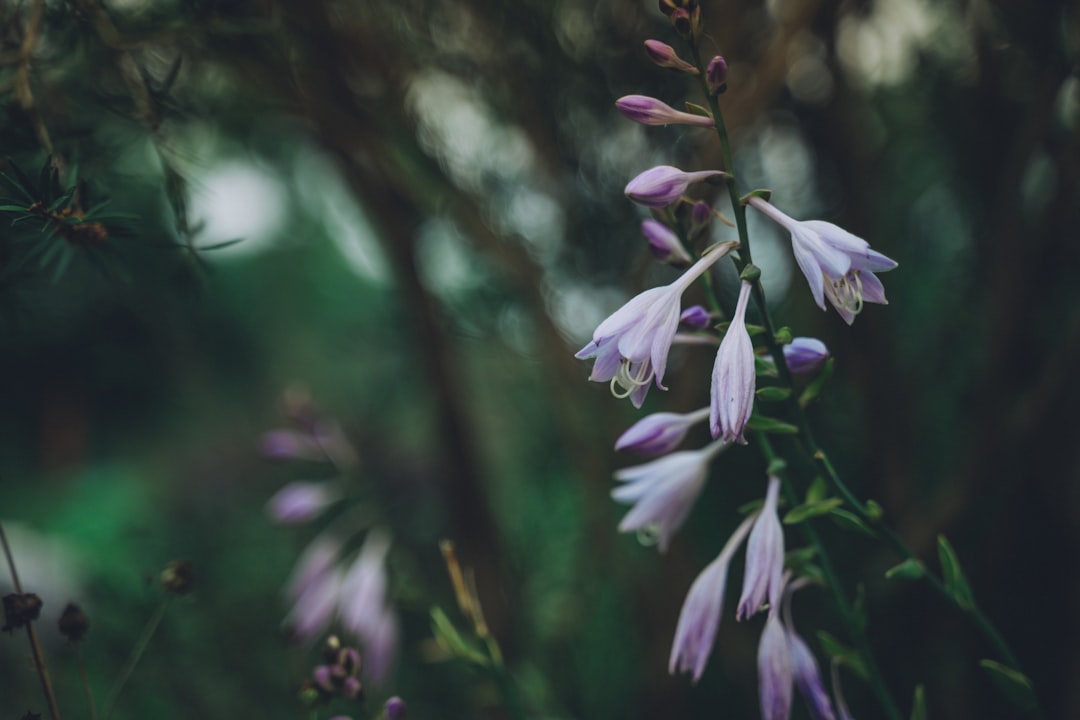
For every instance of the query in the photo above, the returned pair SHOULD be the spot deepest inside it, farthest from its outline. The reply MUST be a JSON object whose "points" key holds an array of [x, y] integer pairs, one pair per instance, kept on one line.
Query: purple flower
{"points": [[665, 56], [363, 607], [663, 491], [805, 355], [774, 670], [659, 433], [733, 377], [315, 606], [716, 74], [662, 185], [299, 502], [700, 616], [650, 111], [764, 558], [291, 445], [394, 708], [631, 346], [838, 265], [808, 677], [696, 317], [663, 243]]}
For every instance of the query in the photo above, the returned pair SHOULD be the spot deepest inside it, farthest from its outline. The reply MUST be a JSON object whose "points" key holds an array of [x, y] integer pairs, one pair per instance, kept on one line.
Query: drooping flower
{"points": [[808, 677], [631, 346], [733, 377], [699, 618], [650, 111], [662, 185], [363, 605], [663, 243], [838, 265], [663, 491], [299, 502], [665, 56], [775, 678], [805, 355], [764, 558], [659, 433]]}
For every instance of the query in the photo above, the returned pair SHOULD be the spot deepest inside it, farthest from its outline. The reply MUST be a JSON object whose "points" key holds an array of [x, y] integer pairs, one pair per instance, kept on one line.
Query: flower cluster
{"points": [[630, 350]]}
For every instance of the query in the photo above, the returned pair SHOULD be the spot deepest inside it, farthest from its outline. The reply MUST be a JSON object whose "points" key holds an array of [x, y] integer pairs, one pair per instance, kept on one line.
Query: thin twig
{"points": [[136, 655]]}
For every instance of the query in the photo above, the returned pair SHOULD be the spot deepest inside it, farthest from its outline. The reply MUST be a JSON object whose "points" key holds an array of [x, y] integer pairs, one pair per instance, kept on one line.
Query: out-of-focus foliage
{"points": [[428, 198]]}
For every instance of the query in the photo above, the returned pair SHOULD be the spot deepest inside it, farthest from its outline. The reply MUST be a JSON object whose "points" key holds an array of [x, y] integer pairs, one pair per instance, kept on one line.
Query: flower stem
{"points": [[136, 655], [35, 646], [85, 682]]}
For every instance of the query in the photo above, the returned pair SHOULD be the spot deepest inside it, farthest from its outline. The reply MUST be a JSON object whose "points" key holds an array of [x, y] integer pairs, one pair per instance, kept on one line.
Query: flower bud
{"points": [[351, 688], [73, 623], [665, 56], [650, 111], [662, 185], [805, 355], [663, 243], [19, 609], [695, 317], [659, 433], [394, 709], [716, 75], [178, 577]]}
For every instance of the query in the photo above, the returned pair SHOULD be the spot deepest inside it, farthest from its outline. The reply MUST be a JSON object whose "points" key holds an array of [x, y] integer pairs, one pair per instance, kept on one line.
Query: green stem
{"points": [[503, 682], [847, 615], [136, 655], [86, 682]]}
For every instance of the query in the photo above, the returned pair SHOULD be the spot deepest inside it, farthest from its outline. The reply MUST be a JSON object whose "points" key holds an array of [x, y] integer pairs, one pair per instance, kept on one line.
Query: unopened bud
{"points": [[805, 355], [665, 56], [695, 317], [681, 20], [73, 623], [716, 75], [351, 689], [178, 577], [394, 709], [19, 609], [650, 111], [663, 243]]}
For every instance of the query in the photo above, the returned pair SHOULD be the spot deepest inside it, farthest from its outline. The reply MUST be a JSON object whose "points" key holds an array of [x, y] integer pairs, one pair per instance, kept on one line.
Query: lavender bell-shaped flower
{"points": [[805, 355], [764, 558], [733, 377], [808, 677], [662, 185], [659, 433], [299, 502], [699, 618], [663, 491], [650, 111], [363, 606], [663, 243], [838, 265], [775, 674], [631, 346]]}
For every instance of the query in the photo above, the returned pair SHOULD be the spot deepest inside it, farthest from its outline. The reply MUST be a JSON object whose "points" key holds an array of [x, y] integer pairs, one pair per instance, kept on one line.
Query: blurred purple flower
{"points": [[291, 445], [838, 265], [662, 185], [733, 377], [663, 243], [659, 433], [299, 502], [631, 346], [650, 111], [808, 677], [363, 605], [695, 317], [764, 558], [663, 491], [805, 355], [774, 670], [699, 619]]}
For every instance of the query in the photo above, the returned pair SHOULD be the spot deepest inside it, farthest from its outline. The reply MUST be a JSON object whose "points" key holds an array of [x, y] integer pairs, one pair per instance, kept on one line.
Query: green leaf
{"points": [[220, 245], [18, 187], [697, 110], [874, 510], [813, 390], [448, 636], [783, 336], [816, 491], [13, 208], [1014, 684], [849, 521], [841, 653], [801, 513], [750, 507], [910, 569], [771, 425], [918, 704], [773, 393], [763, 367], [955, 582], [763, 194]]}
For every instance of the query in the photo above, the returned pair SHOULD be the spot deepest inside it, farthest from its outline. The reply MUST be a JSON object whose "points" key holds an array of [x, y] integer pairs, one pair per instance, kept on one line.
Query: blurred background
{"points": [[428, 200]]}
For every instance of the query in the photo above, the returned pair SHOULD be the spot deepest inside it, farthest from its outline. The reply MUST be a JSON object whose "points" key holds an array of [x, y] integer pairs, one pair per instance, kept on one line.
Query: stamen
{"points": [[629, 382], [846, 293]]}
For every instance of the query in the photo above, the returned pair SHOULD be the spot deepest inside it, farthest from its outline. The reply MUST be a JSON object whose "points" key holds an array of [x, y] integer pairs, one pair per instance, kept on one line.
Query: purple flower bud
{"points": [[299, 502], [733, 377], [716, 75], [662, 185], [350, 689], [837, 265], [774, 670], [805, 355], [764, 558], [663, 243], [695, 317], [650, 111], [659, 433], [323, 677], [663, 491], [665, 56], [291, 445], [700, 216], [394, 709], [808, 678]]}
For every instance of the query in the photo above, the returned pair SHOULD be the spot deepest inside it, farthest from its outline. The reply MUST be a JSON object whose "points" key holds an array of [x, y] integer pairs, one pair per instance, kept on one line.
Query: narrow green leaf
{"points": [[918, 704], [874, 510], [763, 194], [910, 569], [13, 208], [813, 390], [66, 256], [18, 187], [220, 245], [1014, 684], [750, 507], [849, 521], [697, 110], [783, 336], [953, 575], [816, 491], [840, 652], [763, 367], [770, 394], [771, 425], [801, 513], [448, 636]]}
